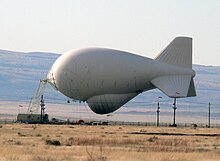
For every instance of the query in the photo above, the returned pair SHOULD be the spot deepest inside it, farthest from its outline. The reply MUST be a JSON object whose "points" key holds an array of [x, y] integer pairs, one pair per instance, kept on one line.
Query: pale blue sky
{"points": [[141, 26]]}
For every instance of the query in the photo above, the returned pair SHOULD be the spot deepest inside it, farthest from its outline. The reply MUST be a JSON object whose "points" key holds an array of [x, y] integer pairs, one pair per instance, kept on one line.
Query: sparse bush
{"points": [[194, 126], [20, 134], [53, 142], [38, 135], [34, 126], [1, 126], [69, 142], [125, 136], [153, 139], [142, 130], [18, 143], [10, 140]]}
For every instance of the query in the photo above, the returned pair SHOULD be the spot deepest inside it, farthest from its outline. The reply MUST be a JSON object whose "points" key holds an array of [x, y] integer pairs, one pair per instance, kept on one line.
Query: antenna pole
{"points": [[42, 108], [174, 112], [209, 120], [158, 113]]}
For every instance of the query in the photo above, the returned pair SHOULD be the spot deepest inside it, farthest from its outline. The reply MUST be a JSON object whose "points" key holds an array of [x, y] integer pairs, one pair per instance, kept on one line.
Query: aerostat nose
{"points": [[51, 79], [56, 72]]}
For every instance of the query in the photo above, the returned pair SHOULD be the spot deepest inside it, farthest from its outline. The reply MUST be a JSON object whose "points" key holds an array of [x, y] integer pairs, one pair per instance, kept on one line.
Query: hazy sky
{"points": [[144, 27]]}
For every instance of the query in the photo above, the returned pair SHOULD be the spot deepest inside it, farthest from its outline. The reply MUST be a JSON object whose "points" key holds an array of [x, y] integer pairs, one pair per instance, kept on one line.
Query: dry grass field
{"points": [[24, 142]]}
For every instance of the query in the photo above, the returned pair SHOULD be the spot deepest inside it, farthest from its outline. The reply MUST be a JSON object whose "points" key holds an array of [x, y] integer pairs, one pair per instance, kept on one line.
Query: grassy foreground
{"points": [[21, 142]]}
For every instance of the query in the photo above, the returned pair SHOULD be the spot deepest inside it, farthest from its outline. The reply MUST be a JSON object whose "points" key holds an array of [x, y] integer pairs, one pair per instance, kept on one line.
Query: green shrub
{"points": [[53, 142]]}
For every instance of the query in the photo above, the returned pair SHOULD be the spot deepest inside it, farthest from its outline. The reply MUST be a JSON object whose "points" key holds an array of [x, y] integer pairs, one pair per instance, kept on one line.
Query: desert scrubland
{"points": [[25, 142]]}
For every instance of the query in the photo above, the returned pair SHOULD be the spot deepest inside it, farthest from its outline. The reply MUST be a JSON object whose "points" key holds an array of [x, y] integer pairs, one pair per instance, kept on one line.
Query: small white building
{"points": [[32, 118]]}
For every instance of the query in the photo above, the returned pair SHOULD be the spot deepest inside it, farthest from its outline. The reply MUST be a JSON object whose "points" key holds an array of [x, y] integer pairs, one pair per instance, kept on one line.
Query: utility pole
{"points": [[209, 119], [42, 108], [158, 111], [174, 112]]}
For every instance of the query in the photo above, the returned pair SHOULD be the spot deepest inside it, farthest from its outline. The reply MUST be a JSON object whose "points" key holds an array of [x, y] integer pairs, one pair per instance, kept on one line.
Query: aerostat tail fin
{"points": [[178, 52], [192, 89], [176, 86]]}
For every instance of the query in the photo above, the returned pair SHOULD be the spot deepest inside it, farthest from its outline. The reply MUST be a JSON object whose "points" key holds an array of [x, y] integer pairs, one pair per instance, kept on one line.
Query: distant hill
{"points": [[20, 74]]}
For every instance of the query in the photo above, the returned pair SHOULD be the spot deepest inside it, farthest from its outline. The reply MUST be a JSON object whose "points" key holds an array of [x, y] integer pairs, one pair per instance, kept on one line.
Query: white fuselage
{"points": [[82, 74]]}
